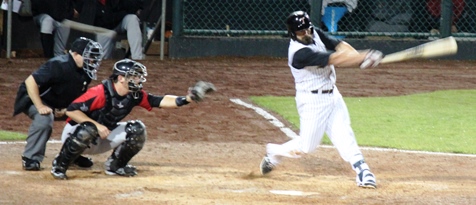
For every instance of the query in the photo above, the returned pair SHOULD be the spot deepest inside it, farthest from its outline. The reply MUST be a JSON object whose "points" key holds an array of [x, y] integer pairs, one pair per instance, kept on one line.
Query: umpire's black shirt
{"points": [[59, 80]]}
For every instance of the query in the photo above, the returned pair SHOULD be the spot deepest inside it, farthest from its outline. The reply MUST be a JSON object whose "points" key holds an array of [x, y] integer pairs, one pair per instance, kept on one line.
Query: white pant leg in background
{"points": [[130, 25], [61, 37], [50, 26], [107, 44]]}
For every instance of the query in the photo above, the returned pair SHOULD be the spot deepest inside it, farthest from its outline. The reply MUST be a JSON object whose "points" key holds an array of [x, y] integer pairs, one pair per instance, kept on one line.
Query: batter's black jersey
{"points": [[60, 81], [306, 56], [309, 62]]}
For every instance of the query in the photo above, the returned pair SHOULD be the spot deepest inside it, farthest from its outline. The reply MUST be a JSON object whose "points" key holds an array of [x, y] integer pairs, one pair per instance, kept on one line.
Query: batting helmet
{"points": [[134, 71], [92, 54], [296, 21]]}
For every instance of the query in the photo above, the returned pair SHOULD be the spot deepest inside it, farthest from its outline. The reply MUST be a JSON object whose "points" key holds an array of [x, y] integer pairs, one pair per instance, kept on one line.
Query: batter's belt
{"points": [[322, 91]]}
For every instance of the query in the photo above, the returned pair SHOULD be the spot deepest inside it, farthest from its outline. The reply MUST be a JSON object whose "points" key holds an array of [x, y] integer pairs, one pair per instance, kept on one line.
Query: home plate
{"points": [[293, 192]]}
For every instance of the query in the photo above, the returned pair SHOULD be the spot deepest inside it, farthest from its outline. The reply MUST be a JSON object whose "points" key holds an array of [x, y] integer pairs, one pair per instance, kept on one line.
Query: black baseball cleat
{"points": [[83, 162], [127, 171], [30, 164], [265, 166], [58, 172]]}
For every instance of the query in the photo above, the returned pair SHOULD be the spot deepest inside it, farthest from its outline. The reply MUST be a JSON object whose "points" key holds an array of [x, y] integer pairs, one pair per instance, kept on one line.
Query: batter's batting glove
{"points": [[372, 59], [200, 89]]}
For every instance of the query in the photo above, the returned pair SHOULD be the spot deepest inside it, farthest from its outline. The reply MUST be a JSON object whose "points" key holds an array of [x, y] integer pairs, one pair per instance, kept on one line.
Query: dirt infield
{"points": [[208, 153]]}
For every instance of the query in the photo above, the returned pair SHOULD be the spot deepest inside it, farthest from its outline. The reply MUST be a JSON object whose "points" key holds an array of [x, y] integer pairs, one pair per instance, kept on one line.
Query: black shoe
{"points": [[127, 171], [265, 166], [58, 172], [83, 162], [30, 164]]}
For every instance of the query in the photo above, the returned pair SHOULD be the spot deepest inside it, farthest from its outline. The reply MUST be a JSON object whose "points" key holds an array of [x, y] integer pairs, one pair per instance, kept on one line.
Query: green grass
{"points": [[6, 135], [442, 121]]}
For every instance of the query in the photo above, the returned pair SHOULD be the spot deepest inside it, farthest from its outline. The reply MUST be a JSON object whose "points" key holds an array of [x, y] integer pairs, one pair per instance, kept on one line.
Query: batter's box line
{"points": [[23, 142], [291, 134]]}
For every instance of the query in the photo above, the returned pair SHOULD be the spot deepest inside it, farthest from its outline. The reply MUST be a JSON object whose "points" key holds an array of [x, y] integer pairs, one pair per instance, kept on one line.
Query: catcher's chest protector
{"points": [[116, 107]]}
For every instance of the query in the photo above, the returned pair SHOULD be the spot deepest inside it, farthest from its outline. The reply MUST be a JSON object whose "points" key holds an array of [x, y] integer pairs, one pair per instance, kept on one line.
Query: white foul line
{"points": [[291, 134], [23, 142]]}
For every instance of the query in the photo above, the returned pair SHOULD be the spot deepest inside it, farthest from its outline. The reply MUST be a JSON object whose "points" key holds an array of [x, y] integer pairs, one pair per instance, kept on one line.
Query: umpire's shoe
{"points": [[366, 179], [57, 171], [30, 164], [265, 166]]}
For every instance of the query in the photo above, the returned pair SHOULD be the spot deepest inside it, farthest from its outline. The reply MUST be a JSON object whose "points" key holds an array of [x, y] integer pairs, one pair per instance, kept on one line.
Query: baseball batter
{"points": [[313, 56]]}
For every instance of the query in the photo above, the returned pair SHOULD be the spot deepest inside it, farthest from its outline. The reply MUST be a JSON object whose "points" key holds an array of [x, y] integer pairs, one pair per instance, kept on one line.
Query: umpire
{"points": [[45, 94]]}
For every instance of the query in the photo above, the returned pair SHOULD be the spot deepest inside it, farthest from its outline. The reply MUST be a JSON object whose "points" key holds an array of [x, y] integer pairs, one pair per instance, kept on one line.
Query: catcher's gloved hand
{"points": [[198, 91], [372, 59]]}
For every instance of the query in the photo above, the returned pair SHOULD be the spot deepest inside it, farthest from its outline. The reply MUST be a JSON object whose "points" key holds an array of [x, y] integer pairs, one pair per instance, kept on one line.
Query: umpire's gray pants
{"points": [[50, 26], [38, 134], [130, 25]]}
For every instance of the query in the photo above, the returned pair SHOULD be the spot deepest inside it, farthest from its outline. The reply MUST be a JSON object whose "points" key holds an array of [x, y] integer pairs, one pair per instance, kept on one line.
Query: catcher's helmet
{"points": [[134, 71], [296, 21], [92, 55]]}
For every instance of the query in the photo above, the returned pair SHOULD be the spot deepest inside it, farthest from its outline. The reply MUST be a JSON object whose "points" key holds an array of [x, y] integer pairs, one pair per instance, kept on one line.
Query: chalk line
{"points": [[23, 142], [291, 134]]}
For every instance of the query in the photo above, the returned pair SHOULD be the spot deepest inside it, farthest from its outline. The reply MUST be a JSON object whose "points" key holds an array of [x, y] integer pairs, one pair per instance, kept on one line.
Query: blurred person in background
{"points": [[48, 15], [122, 16]]}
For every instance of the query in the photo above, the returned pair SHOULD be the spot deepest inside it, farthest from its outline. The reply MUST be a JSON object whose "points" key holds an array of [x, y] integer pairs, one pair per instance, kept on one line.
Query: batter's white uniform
{"points": [[319, 112]]}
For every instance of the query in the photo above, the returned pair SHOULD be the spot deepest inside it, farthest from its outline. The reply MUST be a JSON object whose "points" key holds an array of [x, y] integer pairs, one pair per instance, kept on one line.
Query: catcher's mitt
{"points": [[198, 91]]}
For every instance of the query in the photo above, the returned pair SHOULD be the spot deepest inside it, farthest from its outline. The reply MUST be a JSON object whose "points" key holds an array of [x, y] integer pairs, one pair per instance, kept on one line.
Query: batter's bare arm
{"points": [[347, 56]]}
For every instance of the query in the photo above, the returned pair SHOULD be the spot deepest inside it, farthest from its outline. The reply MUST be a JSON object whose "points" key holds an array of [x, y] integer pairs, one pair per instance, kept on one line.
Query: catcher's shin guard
{"points": [[135, 139], [75, 144]]}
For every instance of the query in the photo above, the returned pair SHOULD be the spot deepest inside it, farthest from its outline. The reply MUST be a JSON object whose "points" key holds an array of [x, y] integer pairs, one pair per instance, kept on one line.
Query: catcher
{"points": [[93, 125]]}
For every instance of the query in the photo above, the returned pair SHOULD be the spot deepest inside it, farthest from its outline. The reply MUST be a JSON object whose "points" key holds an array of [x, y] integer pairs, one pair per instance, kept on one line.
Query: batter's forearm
{"points": [[347, 58], [344, 46]]}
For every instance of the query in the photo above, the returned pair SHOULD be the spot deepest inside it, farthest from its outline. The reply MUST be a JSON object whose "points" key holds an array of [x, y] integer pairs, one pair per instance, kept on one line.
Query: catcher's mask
{"points": [[92, 54], [133, 71], [296, 21]]}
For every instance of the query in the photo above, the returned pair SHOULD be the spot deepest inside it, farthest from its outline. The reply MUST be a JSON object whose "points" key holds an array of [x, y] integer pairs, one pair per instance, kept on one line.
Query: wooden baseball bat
{"points": [[88, 28], [441, 47]]}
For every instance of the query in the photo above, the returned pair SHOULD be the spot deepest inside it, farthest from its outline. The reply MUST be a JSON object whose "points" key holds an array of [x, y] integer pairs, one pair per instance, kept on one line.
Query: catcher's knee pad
{"points": [[76, 143], [136, 135], [85, 133]]}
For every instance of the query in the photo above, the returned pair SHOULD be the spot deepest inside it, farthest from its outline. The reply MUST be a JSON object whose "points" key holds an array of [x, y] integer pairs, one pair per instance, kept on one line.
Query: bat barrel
{"points": [[441, 47]]}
